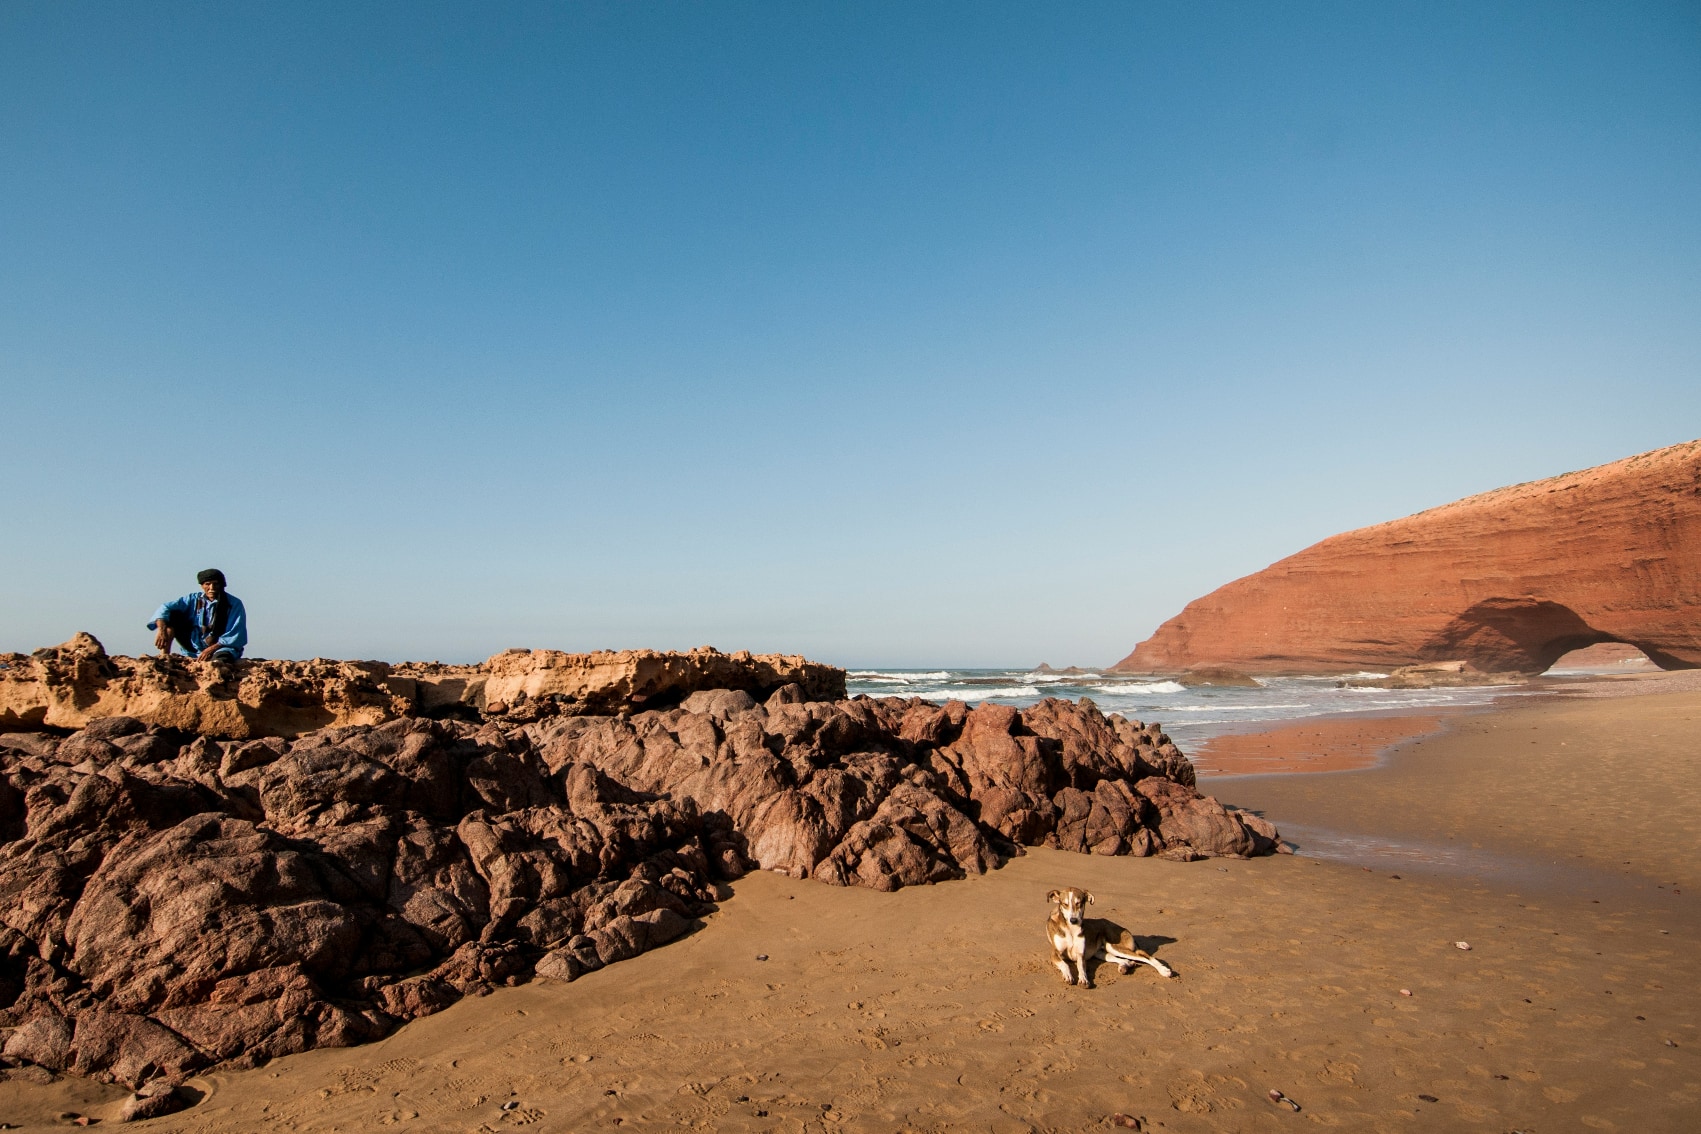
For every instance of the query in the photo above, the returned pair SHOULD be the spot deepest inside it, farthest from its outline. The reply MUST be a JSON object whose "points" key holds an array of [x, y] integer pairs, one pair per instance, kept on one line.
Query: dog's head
{"points": [[1071, 903]]}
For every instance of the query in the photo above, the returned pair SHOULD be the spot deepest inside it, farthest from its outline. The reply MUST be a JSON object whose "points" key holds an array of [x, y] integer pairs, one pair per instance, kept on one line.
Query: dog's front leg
{"points": [[1126, 960], [1081, 968]]}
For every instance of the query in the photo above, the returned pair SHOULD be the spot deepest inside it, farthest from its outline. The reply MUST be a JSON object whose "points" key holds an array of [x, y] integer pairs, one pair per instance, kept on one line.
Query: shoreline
{"points": [[1462, 800], [1336, 743], [1341, 742]]}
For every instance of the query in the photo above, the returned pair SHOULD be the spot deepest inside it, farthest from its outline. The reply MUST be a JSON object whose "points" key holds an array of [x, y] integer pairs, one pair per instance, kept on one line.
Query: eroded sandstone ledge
{"points": [[74, 684], [171, 901]]}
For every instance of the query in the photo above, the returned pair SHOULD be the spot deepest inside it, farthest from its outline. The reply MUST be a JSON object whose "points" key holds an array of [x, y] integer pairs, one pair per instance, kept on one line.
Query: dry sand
{"points": [[1560, 839]]}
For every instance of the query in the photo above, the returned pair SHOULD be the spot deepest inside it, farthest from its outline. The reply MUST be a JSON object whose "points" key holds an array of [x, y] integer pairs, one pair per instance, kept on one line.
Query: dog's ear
{"points": [[1089, 895], [1052, 897]]}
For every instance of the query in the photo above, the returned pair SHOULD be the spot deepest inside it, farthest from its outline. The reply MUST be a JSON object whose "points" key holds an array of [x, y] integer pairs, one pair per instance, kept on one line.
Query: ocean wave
{"points": [[971, 694], [1318, 678], [899, 678], [1226, 708], [1134, 688]]}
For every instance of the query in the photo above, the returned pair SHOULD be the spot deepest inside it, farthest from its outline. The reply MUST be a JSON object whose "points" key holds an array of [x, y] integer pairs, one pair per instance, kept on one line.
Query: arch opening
{"points": [[1525, 635], [1513, 635], [1604, 657]]}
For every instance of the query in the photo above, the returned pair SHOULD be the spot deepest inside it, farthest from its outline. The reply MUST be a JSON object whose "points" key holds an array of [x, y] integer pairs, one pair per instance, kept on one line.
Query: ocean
{"points": [[1188, 714]]}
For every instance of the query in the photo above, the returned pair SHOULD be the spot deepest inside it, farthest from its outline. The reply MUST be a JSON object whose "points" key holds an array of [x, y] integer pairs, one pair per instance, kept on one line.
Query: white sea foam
{"points": [[1225, 708], [969, 693], [898, 678], [1136, 688]]}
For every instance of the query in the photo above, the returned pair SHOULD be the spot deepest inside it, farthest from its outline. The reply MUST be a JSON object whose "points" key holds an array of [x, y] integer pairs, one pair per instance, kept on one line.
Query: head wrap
{"points": [[210, 575]]}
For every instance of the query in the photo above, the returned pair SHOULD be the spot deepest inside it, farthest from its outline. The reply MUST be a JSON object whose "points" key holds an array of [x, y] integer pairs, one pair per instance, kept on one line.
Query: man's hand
{"points": [[206, 654], [162, 638]]}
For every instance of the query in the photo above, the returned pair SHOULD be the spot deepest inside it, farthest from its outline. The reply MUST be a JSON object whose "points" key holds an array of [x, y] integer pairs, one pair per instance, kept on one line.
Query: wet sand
{"points": [[1601, 782], [1323, 744], [1572, 844]]}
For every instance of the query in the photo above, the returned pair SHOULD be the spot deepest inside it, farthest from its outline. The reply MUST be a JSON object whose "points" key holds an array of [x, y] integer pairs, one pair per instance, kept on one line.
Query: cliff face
{"points": [[1508, 581]]}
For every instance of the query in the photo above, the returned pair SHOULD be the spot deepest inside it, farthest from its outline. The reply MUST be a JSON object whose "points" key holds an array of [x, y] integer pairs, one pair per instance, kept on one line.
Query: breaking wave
{"points": [[1139, 688]]}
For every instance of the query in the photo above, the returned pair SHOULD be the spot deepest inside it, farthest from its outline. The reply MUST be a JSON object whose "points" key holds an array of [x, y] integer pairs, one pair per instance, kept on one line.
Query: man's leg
{"points": [[182, 628]]}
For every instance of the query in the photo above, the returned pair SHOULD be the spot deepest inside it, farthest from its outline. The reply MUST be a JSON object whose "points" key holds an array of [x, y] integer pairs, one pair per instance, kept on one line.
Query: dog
{"points": [[1077, 939]]}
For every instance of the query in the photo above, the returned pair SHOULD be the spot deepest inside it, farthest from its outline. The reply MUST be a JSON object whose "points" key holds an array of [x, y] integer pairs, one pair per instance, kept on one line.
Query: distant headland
{"points": [[1507, 581]]}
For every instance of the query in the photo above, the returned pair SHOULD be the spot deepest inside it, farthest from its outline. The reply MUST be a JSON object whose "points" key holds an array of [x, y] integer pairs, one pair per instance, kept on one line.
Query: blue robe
{"points": [[195, 613]]}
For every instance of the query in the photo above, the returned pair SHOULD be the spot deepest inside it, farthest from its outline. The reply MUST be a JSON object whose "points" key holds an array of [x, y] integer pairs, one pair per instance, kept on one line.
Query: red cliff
{"points": [[1508, 581]]}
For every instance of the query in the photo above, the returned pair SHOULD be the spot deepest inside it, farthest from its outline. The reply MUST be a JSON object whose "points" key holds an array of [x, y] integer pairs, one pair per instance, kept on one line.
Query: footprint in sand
{"points": [[1339, 1072], [523, 1116]]}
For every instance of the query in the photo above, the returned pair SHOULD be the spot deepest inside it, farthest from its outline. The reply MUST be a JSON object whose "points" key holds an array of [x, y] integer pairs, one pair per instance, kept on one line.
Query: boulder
{"points": [[153, 1100], [1216, 675]]}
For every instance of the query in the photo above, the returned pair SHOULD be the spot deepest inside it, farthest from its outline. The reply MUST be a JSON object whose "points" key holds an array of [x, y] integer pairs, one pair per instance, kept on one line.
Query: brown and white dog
{"points": [[1077, 939]]}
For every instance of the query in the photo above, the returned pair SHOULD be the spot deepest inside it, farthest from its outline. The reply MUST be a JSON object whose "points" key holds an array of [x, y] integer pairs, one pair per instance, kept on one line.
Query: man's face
{"points": [[211, 589]]}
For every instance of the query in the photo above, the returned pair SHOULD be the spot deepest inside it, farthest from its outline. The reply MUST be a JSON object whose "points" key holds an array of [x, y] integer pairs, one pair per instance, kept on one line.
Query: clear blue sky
{"points": [[888, 333]]}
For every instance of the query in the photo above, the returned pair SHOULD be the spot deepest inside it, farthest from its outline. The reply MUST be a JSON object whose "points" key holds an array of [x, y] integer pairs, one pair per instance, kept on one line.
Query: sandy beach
{"points": [[1556, 837]]}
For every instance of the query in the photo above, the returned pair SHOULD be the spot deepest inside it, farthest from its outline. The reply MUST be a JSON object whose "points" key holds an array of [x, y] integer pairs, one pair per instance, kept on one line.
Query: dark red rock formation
{"points": [[171, 902], [1508, 581]]}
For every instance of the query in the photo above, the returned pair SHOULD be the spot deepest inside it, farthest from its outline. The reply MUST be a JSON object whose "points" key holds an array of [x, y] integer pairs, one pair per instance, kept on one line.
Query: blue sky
{"points": [[901, 334]]}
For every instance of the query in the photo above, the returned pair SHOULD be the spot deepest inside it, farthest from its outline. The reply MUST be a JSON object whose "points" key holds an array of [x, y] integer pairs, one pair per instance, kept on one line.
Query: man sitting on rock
{"points": [[210, 625]]}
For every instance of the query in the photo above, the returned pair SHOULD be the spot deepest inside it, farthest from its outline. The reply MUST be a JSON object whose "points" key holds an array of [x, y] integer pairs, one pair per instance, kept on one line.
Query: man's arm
{"points": [[161, 623]]}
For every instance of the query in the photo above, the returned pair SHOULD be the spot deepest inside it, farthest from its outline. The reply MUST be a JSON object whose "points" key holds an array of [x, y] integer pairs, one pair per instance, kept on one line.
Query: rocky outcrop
{"points": [[170, 902], [77, 683], [536, 683], [71, 685], [1508, 581], [1206, 676], [1432, 675]]}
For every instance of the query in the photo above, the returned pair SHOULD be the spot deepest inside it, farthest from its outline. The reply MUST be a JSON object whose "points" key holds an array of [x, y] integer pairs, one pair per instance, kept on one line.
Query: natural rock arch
{"points": [[1522, 635], [1508, 580]]}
